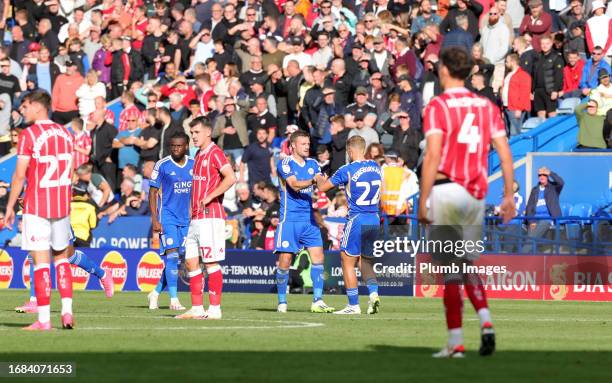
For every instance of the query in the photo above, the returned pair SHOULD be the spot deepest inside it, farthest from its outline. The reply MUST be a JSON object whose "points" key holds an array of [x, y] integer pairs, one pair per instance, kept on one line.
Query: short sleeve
{"points": [[156, 176], [25, 146], [218, 160], [246, 156], [284, 169], [433, 118], [340, 177], [498, 128]]}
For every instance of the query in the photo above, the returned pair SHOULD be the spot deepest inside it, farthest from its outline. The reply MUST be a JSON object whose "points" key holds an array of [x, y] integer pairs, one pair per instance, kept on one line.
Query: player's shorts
{"points": [[359, 234], [455, 215], [542, 101], [172, 237], [292, 236], [40, 234], [206, 239]]}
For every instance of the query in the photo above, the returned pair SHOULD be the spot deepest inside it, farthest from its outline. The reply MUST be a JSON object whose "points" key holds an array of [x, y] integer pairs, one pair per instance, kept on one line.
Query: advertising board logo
{"points": [[149, 271], [558, 287], [80, 278], [6, 269], [429, 288], [25, 272], [115, 264]]}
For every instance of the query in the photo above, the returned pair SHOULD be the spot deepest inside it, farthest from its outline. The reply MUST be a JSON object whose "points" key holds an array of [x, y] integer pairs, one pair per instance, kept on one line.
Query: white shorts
{"points": [[40, 234], [206, 239], [450, 204]]}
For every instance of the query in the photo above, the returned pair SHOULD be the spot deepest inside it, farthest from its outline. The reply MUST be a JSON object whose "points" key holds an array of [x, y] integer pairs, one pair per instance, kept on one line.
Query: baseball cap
{"points": [[34, 47], [597, 4], [327, 91], [80, 188], [291, 129], [537, 3], [257, 80], [297, 40], [361, 90], [391, 154], [69, 63], [602, 74], [357, 46]]}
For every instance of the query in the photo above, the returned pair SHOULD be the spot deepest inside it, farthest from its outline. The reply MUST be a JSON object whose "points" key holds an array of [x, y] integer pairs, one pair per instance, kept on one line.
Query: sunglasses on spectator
{"points": [[251, 14], [540, 175], [403, 116], [591, 106], [369, 21], [597, 54]]}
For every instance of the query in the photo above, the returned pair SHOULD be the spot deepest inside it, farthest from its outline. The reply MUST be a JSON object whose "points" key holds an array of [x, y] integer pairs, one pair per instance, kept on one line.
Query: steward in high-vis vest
{"points": [[299, 274], [399, 183]]}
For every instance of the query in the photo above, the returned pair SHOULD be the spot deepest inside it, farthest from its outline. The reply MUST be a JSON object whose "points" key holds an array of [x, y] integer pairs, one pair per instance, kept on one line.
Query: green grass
{"points": [[120, 340]]}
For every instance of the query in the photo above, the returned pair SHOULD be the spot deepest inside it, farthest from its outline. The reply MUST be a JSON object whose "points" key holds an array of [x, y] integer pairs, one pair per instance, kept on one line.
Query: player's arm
{"points": [[153, 208], [507, 209], [428, 172], [17, 183], [296, 185], [229, 178], [106, 192], [324, 184]]}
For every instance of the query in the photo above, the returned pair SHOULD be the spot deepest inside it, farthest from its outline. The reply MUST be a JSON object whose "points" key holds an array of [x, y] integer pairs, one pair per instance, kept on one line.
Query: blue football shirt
{"points": [[362, 181], [296, 205], [174, 182]]}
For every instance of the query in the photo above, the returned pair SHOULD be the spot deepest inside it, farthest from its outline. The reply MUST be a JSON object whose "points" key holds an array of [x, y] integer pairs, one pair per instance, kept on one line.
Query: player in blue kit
{"points": [[362, 180], [298, 229], [171, 185]]}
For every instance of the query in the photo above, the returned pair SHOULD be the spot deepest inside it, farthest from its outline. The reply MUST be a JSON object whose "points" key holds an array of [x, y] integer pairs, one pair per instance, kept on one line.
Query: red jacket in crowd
{"points": [[572, 76], [519, 91]]}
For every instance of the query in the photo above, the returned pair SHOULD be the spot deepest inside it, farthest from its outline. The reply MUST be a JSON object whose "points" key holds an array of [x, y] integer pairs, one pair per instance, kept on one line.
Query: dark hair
{"points": [[573, 52], [297, 134], [458, 62], [40, 97], [164, 110], [132, 167], [180, 135], [200, 120]]}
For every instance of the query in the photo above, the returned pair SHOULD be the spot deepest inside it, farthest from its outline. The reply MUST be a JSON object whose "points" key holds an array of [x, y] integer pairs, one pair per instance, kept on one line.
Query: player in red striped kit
{"points": [[212, 177], [459, 127], [44, 160]]}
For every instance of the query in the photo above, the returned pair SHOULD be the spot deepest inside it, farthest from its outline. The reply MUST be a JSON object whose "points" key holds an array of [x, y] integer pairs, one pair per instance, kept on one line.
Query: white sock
{"points": [[485, 316], [44, 314], [455, 337], [154, 293], [214, 308], [373, 296], [198, 308], [174, 300], [66, 306], [33, 299]]}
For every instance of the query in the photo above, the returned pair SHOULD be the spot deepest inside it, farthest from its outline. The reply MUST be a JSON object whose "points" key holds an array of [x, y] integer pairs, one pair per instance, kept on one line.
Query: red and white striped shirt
{"points": [[126, 114], [49, 147], [467, 123], [206, 177], [83, 141], [109, 116]]}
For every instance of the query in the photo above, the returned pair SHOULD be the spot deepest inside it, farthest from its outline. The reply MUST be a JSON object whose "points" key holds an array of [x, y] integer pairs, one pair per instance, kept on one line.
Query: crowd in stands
{"points": [[262, 69]]}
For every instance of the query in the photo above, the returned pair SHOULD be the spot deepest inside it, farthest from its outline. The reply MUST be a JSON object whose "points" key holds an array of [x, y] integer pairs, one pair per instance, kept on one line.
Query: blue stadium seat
{"points": [[531, 123], [582, 210], [566, 208], [568, 105]]}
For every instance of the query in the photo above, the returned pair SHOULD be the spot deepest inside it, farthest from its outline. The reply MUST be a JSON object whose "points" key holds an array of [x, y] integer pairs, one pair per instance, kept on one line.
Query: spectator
{"points": [[82, 143], [590, 125], [459, 35], [468, 10], [527, 54], [598, 29], [590, 72], [312, 100], [5, 124], [287, 89], [603, 93], [576, 41], [406, 138], [9, 83], [538, 23], [339, 136], [42, 69], [88, 92], [543, 202], [257, 157], [230, 130], [479, 85], [399, 183], [150, 137], [97, 187], [126, 66], [64, 98], [341, 82], [261, 117], [425, 16], [405, 56], [364, 124], [548, 79], [47, 36], [516, 94], [102, 136], [496, 43], [321, 132], [572, 75], [168, 128], [361, 107], [83, 218], [410, 100], [125, 141]]}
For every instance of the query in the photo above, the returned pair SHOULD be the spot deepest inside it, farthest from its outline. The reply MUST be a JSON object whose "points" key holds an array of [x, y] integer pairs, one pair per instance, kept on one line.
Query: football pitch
{"points": [[119, 339]]}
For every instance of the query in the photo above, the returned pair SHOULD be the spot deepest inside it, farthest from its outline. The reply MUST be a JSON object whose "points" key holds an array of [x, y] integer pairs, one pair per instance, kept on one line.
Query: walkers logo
{"points": [[80, 278], [25, 272], [149, 271], [115, 264], [429, 288], [6, 269], [559, 290]]}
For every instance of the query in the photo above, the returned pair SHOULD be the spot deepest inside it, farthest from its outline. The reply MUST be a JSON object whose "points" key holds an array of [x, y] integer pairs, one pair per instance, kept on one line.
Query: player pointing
{"points": [[44, 158], [212, 177], [172, 175], [459, 126], [298, 229], [362, 180]]}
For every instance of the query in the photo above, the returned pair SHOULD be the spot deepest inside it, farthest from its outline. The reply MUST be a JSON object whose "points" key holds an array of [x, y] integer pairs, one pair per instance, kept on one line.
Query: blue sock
{"points": [[171, 273], [161, 285], [282, 279], [316, 274], [81, 260], [353, 296], [372, 284], [32, 288]]}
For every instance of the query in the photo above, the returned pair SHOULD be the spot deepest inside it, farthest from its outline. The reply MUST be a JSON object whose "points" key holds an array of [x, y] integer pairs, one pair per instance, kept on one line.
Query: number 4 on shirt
{"points": [[469, 134]]}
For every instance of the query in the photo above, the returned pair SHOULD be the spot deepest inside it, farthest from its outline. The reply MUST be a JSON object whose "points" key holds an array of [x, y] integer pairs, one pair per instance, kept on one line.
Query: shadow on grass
{"points": [[377, 364]]}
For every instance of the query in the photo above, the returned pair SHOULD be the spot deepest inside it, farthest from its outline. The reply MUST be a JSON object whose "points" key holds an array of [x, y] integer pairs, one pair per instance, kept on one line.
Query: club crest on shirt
{"points": [[286, 168], [191, 172], [205, 163], [311, 171]]}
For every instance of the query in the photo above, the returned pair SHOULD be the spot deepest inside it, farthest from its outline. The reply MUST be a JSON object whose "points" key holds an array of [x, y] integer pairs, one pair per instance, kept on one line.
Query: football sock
{"points": [[42, 283], [215, 285], [476, 294], [282, 279], [161, 285], [32, 284], [316, 274], [63, 275], [196, 284], [171, 273], [369, 276], [353, 296], [372, 285], [81, 260], [453, 303]]}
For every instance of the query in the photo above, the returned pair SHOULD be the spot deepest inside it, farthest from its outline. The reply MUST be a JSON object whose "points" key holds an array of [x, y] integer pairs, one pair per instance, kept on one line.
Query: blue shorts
{"points": [[291, 237], [359, 234], [172, 236]]}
